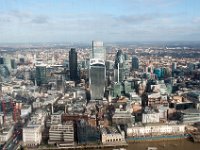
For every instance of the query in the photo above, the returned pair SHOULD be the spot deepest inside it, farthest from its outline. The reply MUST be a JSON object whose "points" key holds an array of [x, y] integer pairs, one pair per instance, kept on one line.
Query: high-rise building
{"points": [[40, 74], [13, 64], [135, 63], [1, 60], [86, 133], [97, 75], [98, 51], [73, 64], [174, 66], [119, 71]]}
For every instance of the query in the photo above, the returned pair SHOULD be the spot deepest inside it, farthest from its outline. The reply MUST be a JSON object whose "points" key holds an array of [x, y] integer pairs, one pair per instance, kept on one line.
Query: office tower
{"points": [[40, 75], [21, 60], [4, 72], [86, 133], [97, 74], [13, 64], [73, 64], [174, 66], [135, 63], [7, 63], [119, 73], [98, 51], [1, 60], [158, 73]]}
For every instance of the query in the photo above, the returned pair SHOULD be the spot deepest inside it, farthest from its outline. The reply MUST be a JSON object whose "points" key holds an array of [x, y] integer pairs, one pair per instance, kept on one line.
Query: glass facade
{"points": [[40, 75], [97, 80], [98, 51]]}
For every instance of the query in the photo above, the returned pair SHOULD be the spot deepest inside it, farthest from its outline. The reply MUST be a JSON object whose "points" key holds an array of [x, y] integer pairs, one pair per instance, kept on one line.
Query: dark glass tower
{"points": [[41, 75], [135, 63], [73, 64]]}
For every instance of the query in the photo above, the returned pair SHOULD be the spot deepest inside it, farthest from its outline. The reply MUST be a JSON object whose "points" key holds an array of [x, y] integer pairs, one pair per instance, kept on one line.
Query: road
{"points": [[13, 142]]}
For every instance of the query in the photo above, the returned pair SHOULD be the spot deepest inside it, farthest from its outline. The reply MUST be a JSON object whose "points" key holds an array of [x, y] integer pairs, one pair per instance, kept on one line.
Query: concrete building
{"points": [[190, 116], [5, 134], [32, 133], [26, 110], [56, 118], [150, 116], [123, 118], [32, 136], [62, 133]]}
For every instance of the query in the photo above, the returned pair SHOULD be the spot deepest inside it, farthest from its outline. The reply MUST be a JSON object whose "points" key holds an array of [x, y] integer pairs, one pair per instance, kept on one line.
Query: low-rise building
{"points": [[62, 133], [25, 110], [190, 116], [150, 116], [112, 135], [155, 130], [32, 133], [6, 133]]}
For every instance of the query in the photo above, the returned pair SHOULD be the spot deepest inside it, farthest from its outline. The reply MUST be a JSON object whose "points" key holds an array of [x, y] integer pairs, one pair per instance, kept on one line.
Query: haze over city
{"points": [[32, 21], [100, 74]]}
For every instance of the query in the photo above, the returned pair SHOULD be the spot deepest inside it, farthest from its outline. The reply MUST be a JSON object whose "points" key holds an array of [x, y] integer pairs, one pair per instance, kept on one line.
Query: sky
{"points": [[29, 21]]}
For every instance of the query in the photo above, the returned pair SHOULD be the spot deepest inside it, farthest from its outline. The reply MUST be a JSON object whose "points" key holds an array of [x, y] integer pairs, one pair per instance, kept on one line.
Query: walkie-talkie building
{"points": [[97, 75]]}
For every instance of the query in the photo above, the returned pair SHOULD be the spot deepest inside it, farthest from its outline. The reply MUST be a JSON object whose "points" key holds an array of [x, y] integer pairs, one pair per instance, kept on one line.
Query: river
{"points": [[165, 145]]}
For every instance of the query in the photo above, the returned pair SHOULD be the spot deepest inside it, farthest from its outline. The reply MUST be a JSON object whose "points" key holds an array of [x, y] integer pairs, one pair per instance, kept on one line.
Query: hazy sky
{"points": [[106, 20]]}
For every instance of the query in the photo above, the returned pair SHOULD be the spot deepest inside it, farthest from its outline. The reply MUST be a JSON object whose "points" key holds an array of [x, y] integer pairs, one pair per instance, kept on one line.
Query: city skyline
{"points": [[109, 21]]}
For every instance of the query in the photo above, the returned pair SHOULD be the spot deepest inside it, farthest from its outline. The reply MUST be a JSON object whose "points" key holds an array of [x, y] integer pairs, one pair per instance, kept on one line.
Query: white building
{"points": [[112, 135], [26, 110], [156, 129], [6, 133], [32, 136], [32, 133], [150, 116]]}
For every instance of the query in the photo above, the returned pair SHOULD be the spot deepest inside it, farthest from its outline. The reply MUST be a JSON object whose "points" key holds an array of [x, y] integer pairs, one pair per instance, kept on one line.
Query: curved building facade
{"points": [[97, 76]]}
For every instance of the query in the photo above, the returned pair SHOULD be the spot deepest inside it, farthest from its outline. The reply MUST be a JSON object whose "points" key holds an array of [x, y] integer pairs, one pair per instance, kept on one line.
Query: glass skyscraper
{"points": [[119, 68], [73, 64], [98, 51], [135, 63], [97, 75], [40, 75]]}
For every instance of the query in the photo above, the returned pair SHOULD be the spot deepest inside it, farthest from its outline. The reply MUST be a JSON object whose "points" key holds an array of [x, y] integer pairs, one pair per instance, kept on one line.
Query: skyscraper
{"points": [[73, 64], [135, 63], [119, 73], [40, 75], [97, 74], [98, 51]]}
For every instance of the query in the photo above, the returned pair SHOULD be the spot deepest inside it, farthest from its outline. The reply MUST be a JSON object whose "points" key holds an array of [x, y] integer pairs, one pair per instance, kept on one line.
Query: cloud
{"points": [[145, 18], [40, 20], [196, 20], [16, 16]]}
